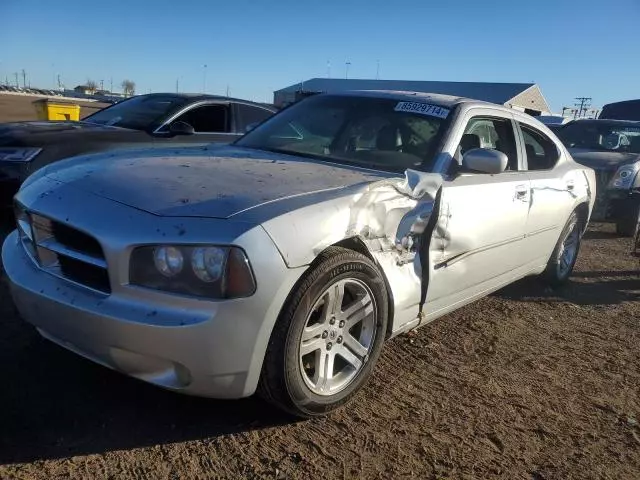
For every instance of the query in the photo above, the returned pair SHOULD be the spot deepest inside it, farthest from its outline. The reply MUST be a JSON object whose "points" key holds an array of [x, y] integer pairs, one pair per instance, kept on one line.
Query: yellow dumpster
{"points": [[48, 109]]}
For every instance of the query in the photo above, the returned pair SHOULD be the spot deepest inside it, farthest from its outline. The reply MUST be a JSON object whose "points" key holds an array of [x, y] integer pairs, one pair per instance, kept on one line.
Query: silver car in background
{"points": [[282, 263]]}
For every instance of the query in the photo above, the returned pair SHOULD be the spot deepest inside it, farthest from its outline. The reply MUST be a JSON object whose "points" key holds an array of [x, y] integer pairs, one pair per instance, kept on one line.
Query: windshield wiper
{"points": [[284, 151]]}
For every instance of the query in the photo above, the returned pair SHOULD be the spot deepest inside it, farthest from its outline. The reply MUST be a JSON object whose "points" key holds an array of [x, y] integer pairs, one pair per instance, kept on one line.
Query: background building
{"points": [[525, 97]]}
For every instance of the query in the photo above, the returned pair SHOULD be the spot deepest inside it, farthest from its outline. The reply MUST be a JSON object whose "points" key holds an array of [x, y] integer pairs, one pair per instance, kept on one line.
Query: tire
{"points": [[565, 253], [629, 219], [305, 343]]}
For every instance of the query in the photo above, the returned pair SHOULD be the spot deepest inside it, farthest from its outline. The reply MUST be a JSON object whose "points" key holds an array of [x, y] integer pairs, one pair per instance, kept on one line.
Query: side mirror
{"points": [[485, 160], [181, 128], [250, 127]]}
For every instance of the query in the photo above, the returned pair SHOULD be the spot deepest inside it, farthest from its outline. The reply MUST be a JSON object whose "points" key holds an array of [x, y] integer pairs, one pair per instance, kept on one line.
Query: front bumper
{"points": [[204, 348]]}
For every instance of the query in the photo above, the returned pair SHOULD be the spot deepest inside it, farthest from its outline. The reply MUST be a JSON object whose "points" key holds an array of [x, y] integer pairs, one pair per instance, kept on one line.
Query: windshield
{"points": [[601, 136], [138, 113], [370, 132]]}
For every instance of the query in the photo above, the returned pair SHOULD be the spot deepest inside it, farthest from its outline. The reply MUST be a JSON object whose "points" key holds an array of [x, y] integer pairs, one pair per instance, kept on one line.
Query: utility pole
{"points": [[111, 85], [101, 84], [377, 69], [346, 74], [227, 90], [177, 85], [583, 104], [328, 69], [17, 84], [24, 79]]}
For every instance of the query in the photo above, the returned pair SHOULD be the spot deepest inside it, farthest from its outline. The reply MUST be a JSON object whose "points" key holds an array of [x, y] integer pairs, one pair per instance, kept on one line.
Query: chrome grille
{"points": [[63, 251]]}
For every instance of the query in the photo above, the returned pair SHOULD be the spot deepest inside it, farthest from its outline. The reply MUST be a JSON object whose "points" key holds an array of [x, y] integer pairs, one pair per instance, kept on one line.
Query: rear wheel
{"points": [[565, 253], [328, 337]]}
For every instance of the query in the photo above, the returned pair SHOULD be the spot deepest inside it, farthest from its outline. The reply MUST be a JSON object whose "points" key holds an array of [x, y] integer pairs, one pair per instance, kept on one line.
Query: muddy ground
{"points": [[528, 383]]}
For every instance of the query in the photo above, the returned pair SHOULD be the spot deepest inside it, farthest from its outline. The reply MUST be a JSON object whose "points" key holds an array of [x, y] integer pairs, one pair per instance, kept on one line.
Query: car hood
{"points": [[599, 160], [32, 133], [214, 182]]}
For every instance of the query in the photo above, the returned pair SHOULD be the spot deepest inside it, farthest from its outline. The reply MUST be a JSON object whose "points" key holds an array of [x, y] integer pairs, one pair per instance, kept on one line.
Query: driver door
{"points": [[482, 219]]}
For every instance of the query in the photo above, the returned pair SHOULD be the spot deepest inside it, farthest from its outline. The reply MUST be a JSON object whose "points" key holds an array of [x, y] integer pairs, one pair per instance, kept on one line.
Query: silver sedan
{"points": [[282, 263]]}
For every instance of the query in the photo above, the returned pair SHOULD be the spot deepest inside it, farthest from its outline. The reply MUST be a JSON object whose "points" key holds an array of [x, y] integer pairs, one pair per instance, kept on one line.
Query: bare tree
{"points": [[128, 87], [92, 86]]}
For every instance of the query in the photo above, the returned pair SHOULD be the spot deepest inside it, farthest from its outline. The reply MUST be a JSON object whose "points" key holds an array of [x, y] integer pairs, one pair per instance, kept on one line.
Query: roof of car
{"points": [[632, 123], [204, 96], [442, 100]]}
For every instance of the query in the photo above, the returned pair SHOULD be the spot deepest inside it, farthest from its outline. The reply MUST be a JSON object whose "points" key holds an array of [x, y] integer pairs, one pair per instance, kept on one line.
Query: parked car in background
{"points": [[157, 119], [283, 262], [612, 149], [625, 110]]}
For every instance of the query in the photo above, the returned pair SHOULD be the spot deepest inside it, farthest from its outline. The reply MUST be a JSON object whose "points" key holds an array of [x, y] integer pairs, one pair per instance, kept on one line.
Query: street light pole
{"points": [[346, 75], [204, 79]]}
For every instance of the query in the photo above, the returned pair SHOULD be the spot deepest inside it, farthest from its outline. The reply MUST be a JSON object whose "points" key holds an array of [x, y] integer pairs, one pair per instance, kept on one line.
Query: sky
{"points": [[570, 48]]}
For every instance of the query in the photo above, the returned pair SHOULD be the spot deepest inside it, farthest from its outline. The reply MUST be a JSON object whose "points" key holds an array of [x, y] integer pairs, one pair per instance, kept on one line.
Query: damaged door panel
{"points": [[479, 234]]}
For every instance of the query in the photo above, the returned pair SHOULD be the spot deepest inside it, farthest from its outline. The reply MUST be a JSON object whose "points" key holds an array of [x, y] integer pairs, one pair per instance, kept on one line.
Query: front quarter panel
{"points": [[388, 217]]}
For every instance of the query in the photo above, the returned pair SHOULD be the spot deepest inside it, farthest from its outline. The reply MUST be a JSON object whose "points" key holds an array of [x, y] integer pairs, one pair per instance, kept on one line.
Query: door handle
{"points": [[570, 184], [521, 192]]}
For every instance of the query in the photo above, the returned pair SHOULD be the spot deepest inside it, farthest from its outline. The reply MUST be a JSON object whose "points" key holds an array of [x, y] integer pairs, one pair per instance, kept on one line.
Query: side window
{"points": [[542, 153], [207, 118], [493, 133], [248, 115]]}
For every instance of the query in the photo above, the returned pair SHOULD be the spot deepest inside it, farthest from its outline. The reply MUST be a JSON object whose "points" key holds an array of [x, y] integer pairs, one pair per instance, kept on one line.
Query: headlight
{"points": [[18, 154], [202, 270], [624, 177], [168, 260]]}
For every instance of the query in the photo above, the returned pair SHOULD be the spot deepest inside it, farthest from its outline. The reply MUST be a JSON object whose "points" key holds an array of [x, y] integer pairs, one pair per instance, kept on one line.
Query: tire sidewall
{"points": [[629, 217], [299, 393], [552, 269]]}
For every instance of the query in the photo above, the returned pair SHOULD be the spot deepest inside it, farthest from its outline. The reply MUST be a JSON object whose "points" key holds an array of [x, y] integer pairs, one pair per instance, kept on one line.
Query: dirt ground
{"points": [[528, 383], [15, 108]]}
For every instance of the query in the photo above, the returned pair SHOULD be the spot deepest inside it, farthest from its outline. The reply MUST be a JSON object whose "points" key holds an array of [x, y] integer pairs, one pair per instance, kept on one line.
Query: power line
{"points": [[583, 104]]}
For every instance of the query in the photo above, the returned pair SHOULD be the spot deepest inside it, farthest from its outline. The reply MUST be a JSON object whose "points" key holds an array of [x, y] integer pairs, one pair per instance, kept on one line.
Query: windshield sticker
{"points": [[422, 108]]}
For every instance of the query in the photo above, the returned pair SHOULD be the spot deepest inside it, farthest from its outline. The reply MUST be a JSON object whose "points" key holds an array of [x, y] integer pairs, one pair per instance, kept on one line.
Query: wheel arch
{"points": [[357, 245], [582, 210]]}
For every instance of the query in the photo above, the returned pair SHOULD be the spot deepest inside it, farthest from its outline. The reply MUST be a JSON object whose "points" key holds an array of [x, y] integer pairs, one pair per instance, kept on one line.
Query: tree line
{"points": [[128, 87]]}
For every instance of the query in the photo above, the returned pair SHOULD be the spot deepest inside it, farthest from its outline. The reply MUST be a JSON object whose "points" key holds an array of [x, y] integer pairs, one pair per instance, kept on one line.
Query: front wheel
{"points": [[629, 219], [328, 337], [565, 253]]}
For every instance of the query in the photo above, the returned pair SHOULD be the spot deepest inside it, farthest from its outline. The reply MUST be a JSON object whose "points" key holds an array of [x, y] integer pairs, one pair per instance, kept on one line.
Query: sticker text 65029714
{"points": [[422, 108]]}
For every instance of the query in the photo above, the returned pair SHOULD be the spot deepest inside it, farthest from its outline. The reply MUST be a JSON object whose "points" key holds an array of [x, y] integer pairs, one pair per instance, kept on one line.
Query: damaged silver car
{"points": [[282, 263]]}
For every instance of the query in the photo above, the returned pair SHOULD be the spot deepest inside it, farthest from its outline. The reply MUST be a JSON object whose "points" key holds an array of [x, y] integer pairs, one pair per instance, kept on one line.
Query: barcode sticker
{"points": [[422, 108]]}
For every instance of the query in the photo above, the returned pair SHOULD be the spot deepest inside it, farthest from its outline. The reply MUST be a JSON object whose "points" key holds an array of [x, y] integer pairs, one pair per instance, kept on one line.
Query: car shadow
{"points": [[56, 404], [600, 235], [584, 288]]}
